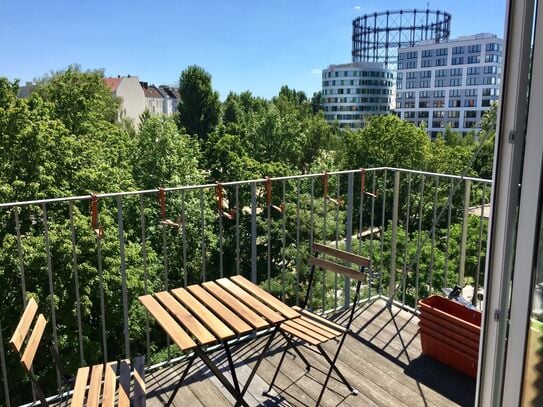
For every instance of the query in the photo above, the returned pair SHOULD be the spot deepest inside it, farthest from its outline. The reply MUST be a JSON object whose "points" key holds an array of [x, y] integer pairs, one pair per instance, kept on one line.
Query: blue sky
{"points": [[255, 45]]}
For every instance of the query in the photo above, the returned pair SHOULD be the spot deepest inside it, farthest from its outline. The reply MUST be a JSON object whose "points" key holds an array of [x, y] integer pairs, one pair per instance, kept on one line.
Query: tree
{"points": [[163, 157], [386, 141], [316, 102], [200, 108]]}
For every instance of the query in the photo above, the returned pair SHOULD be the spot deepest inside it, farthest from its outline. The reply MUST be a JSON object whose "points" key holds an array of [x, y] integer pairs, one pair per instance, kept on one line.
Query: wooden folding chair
{"points": [[316, 330], [88, 390]]}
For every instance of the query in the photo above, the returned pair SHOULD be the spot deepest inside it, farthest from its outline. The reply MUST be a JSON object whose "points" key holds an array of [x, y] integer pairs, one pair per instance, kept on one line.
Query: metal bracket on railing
{"points": [[281, 207], [163, 219], [228, 214], [363, 183], [95, 225]]}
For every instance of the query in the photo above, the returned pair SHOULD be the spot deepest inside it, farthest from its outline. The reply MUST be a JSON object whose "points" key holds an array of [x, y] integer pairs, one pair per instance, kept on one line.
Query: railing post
{"points": [[463, 244], [394, 237], [4, 370], [349, 235], [253, 232]]}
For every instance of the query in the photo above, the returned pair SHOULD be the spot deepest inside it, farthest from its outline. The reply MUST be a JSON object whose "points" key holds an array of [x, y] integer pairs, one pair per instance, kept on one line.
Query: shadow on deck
{"points": [[382, 359]]}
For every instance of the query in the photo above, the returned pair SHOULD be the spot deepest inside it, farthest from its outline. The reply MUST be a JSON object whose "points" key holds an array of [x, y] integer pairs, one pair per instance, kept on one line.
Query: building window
{"points": [[455, 93], [474, 70], [409, 105], [409, 115], [474, 48], [486, 102], [456, 72], [439, 93], [426, 53], [426, 74], [441, 61], [494, 47], [453, 114], [455, 82], [470, 103], [455, 103], [439, 103], [470, 113], [490, 92], [437, 124], [439, 83], [411, 55], [411, 65], [411, 75], [468, 124], [423, 115], [424, 83], [399, 77], [457, 61], [471, 81], [440, 73], [489, 80], [493, 58], [424, 104], [441, 51], [426, 63], [457, 50], [423, 94], [471, 92], [474, 59], [490, 69]]}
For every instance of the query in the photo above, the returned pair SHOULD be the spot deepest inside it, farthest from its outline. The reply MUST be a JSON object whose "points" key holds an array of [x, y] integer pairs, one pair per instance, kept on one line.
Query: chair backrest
{"points": [[19, 337], [339, 257]]}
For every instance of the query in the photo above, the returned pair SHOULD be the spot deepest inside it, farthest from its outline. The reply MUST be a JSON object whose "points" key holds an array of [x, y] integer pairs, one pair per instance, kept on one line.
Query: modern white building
{"points": [[450, 83], [352, 92]]}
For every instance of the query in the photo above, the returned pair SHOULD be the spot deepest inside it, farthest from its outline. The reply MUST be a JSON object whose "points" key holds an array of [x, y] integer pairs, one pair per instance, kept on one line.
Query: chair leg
{"points": [[333, 368], [293, 345], [174, 392]]}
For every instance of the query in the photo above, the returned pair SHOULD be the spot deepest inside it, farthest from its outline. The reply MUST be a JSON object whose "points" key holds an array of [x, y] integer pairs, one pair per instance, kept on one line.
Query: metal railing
{"points": [[86, 259]]}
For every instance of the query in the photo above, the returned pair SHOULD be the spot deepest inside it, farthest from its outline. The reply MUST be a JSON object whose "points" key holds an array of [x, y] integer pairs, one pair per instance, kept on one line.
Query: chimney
{"points": [[129, 75], [119, 76]]}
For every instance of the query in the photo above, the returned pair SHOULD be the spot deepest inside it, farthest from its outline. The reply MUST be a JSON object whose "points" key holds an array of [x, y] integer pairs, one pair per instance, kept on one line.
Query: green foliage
{"points": [[200, 108], [386, 141]]}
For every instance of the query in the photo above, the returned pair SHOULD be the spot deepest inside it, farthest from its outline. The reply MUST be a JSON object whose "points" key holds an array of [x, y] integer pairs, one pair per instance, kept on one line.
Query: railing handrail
{"points": [[233, 183]]}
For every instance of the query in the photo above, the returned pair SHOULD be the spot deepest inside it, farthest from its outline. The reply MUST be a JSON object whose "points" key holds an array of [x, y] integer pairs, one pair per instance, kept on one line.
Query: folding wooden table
{"points": [[213, 313]]}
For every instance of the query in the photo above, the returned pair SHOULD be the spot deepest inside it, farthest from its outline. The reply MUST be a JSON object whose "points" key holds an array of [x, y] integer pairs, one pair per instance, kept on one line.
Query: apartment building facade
{"points": [[449, 84], [352, 92]]}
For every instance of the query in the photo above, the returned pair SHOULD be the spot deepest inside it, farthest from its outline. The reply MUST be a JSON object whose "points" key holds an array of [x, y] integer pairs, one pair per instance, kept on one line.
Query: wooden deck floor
{"points": [[382, 359]]}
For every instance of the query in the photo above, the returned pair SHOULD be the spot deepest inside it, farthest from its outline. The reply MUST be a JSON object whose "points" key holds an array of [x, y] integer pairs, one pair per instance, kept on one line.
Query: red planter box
{"points": [[450, 333]]}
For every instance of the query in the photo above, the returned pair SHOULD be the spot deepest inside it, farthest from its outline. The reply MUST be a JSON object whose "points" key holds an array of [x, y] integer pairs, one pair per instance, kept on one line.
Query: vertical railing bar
{"points": [[184, 239], [464, 239], [394, 236], [360, 216], [383, 211], [237, 228], [124, 288], [102, 299], [51, 287], [480, 248], [448, 234], [433, 241], [311, 223], [324, 236], [145, 275], [283, 213], [76, 285], [268, 241], [406, 240], [419, 242], [221, 267], [4, 370], [165, 262], [372, 221], [203, 241], [253, 233], [348, 236], [298, 259], [337, 237], [20, 254]]}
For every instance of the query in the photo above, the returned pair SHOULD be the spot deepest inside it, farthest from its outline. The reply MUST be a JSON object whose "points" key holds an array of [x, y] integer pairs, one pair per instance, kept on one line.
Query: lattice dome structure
{"points": [[377, 36]]}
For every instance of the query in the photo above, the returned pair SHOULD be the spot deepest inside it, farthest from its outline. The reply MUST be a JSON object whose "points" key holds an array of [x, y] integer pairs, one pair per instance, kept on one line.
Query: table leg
{"points": [[260, 358], [191, 361], [239, 398]]}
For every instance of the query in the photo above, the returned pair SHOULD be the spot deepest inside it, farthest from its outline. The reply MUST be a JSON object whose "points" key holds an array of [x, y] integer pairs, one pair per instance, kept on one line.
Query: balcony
{"points": [[86, 260]]}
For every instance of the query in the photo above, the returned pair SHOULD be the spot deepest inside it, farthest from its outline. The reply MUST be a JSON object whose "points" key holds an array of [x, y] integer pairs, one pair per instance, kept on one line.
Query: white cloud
{"points": [[357, 7], [316, 71]]}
